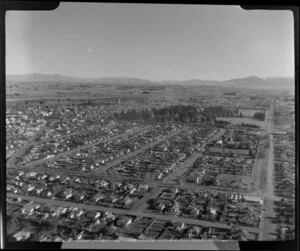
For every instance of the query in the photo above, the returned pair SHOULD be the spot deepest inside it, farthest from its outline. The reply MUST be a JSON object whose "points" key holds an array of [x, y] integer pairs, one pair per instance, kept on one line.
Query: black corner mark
{"points": [[31, 5]]}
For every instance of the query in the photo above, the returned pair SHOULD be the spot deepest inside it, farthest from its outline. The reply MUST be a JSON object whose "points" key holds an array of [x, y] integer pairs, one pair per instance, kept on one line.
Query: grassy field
{"points": [[51, 90]]}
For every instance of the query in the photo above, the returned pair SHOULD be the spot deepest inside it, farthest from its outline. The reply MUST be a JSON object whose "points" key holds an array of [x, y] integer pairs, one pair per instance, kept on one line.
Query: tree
{"points": [[259, 115]]}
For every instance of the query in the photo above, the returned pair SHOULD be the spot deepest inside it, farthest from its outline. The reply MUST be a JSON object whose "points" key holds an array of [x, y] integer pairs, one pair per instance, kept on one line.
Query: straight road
{"points": [[41, 161], [140, 205], [180, 169], [257, 168], [150, 183], [268, 226], [269, 191], [21, 151], [69, 134], [179, 219], [136, 152]]}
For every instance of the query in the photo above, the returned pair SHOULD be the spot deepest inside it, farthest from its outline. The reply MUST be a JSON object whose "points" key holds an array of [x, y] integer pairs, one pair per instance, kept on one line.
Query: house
{"points": [[9, 187], [103, 183], [110, 216], [235, 198], [253, 199], [79, 197], [80, 235], [212, 210], [29, 208], [111, 199], [58, 239], [28, 187], [98, 196], [59, 210], [193, 179], [78, 180], [174, 208], [127, 200], [194, 231], [54, 177], [49, 193], [129, 186], [192, 211], [45, 239], [78, 213], [159, 175], [31, 174], [179, 226], [160, 206], [97, 215], [22, 235], [64, 180], [143, 187], [46, 216], [117, 184], [124, 222], [68, 193], [40, 190], [93, 215], [132, 190]]}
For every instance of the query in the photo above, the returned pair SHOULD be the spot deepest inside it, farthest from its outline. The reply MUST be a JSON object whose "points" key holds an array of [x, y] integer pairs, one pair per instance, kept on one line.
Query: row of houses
{"points": [[103, 225], [75, 188], [225, 208], [158, 161], [61, 144]]}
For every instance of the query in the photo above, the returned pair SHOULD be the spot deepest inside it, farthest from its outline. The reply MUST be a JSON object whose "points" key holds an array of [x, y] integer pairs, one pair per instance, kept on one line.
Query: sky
{"points": [[150, 41]]}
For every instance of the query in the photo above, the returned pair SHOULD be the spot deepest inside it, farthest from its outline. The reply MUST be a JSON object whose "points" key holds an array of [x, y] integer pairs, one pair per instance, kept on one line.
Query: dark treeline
{"points": [[177, 113], [259, 115], [212, 112], [229, 93], [222, 122]]}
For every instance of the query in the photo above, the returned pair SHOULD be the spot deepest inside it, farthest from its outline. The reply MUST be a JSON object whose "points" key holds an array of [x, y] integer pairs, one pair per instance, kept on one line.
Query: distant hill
{"points": [[36, 77], [56, 78], [250, 82], [256, 82]]}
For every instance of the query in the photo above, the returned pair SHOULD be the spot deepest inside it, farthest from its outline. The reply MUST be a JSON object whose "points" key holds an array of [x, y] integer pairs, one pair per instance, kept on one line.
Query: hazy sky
{"points": [[150, 41]]}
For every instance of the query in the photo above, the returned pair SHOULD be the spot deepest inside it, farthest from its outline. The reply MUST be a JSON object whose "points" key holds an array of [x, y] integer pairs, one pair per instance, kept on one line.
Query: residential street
{"points": [[128, 212]]}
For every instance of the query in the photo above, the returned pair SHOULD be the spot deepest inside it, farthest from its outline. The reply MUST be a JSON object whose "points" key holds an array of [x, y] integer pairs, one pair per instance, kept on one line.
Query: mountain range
{"points": [[251, 82]]}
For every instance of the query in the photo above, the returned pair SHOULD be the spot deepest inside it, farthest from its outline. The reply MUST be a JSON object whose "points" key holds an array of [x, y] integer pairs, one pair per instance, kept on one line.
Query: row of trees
{"points": [[178, 113], [212, 112], [259, 115], [222, 122]]}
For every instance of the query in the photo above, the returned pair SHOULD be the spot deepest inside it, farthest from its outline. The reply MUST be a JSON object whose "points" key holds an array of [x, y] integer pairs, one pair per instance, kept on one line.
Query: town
{"points": [[120, 169]]}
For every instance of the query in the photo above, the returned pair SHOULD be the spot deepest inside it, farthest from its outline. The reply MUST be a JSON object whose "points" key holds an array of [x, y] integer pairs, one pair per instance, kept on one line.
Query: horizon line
{"points": [[141, 78]]}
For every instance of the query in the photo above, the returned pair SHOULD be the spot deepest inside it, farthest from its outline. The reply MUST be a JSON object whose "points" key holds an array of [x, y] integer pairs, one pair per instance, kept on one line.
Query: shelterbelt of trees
{"points": [[178, 113], [259, 115]]}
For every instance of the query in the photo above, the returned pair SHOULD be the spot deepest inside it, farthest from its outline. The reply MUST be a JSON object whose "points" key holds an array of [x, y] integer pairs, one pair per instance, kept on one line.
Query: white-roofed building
{"points": [[253, 199]]}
